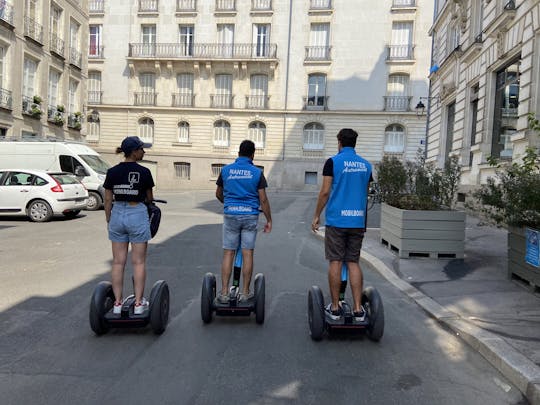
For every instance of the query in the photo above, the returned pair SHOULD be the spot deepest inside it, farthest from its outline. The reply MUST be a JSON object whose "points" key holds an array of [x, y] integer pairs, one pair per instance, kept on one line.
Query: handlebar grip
{"points": [[159, 201]]}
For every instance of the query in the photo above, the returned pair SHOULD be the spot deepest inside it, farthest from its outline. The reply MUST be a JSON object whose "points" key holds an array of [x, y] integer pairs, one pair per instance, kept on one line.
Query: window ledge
{"points": [[182, 144]]}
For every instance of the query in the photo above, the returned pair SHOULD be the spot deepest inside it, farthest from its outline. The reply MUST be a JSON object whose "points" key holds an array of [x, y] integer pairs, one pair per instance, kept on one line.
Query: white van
{"points": [[61, 156]]}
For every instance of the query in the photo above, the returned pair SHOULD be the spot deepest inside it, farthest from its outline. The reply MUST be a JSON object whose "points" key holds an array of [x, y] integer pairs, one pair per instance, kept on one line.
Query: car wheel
{"points": [[372, 302], [316, 313], [208, 293], [94, 201], [159, 307], [72, 214], [101, 303], [39, 211], [259, 298]]}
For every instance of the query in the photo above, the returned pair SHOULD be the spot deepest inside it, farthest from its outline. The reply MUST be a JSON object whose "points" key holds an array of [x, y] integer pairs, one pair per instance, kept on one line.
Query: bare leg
{"points": [[334, 281], [119, 251], [247, 269], [226, 270], [356, 280], [138, 260]]}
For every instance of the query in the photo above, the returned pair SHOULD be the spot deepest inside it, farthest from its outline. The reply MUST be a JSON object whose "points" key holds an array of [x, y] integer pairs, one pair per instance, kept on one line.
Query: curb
{"points": [[521, 371]]}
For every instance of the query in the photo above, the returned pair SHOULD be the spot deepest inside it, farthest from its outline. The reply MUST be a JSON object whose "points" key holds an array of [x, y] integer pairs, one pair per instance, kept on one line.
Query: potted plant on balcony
{"points": [[512, 198], [418, 218], [77, 124], [59, 116], [35, 108]]}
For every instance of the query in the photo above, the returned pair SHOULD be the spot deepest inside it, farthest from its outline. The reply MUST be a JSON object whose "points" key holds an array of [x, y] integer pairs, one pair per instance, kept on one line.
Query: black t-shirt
{"points": [[129, 181]]}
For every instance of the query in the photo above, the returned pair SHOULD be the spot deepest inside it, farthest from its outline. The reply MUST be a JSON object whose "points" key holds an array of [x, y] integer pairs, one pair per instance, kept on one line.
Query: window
{"points": [[506, 109], [95, 47], [319, 42], [394, 139], [56, 21], [2, 53], [316, 98], [401, 46], [397, 93], [29, 78], [453, 38], [257, 134], [184, 97], [69, 163], [310, 178], [474, 113], [450, 120], [74, 35], [185, 39], [32, 7], [148, 39], [146, 130], [313, 136], [222, 134], [183, 132], [223, 96], [73, 102], [258, 96], [94, 87], [216, 169], [477, 17], [54, 82], [182, 170], [261, 39], [29, 136], [93, 129], [3, 133], [225, 34]]}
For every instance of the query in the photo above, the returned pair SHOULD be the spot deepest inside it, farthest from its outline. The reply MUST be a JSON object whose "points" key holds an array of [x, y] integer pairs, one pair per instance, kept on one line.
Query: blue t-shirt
{"points": [[351, 174], [241, 182], [129, 181]]}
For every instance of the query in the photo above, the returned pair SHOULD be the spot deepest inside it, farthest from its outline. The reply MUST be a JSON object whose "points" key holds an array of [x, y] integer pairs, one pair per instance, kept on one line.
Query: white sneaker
{"points": [[141, 308], [117, 308]]}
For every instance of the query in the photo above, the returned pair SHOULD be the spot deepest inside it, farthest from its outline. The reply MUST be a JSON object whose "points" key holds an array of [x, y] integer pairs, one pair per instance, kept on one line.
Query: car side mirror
{"points": [[80, 172]]}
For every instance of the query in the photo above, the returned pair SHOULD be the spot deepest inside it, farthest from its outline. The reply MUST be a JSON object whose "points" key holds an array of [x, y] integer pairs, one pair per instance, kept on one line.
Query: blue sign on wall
{"points": [[532, 252]]}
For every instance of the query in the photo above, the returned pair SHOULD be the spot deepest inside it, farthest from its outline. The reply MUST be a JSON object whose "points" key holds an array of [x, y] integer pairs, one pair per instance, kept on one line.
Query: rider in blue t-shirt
{"points": [[344, 192]]}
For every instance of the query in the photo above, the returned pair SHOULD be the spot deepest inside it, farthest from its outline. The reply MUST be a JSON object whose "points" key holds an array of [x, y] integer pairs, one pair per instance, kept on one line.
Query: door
{"points": [[318, 41], [401, 47], [261, 39], [185, 38], [226, 39], [16, 189]]}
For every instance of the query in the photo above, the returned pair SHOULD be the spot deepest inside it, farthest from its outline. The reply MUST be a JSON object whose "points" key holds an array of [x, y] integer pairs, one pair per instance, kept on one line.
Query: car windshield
{"points": [[96, 163], [63, 178]]}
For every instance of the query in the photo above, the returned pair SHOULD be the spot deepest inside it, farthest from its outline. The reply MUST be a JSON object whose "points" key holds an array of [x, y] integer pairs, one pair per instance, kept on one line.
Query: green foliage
{"points": [[418, 185], [37, 100]]}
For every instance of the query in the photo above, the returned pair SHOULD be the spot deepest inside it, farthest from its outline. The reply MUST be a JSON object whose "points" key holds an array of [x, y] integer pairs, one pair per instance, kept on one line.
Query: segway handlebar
{"points": [[155, 200]]}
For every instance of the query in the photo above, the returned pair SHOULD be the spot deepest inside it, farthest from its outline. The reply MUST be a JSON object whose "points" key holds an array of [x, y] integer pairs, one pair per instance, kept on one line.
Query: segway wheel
{"points": [[260, 297], [208, 293], [316, 313], [372, 302], [102, 301], [159, 307]]}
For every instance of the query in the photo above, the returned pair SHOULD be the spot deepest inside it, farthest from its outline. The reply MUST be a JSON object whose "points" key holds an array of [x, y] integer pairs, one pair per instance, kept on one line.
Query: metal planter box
{"points": [[517, 266], [411, 233]]}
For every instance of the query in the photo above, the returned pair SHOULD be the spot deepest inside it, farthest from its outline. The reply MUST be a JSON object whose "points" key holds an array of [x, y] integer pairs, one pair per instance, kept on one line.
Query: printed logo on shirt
{"points": [[352, 213], [240, 208], [353, 166], [134, 177], [239, 174]]}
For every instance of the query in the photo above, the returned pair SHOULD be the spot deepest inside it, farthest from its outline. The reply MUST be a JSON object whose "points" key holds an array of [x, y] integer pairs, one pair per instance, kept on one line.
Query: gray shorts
{"points": [[343, 244], [239, 229]]}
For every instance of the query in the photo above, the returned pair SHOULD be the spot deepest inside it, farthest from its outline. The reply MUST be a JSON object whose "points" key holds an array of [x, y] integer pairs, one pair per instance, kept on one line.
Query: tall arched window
{"points": [[183, 132], [92, 128], [146, 130], [313, 136], [316, 98], [222, 134], [257, 134], [394, 139]]}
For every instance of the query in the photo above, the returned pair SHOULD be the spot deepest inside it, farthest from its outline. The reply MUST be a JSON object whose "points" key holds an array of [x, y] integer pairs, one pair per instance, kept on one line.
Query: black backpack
{"points": [[154, 215]]}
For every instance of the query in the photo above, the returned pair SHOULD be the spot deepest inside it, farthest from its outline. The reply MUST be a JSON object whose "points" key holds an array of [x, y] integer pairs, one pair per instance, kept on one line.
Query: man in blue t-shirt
{"points": [[344, 192], [241, 188]]}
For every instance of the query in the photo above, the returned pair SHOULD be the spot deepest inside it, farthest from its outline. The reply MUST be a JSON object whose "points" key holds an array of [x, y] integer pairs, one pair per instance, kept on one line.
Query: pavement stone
{"points": [[474, 298]]}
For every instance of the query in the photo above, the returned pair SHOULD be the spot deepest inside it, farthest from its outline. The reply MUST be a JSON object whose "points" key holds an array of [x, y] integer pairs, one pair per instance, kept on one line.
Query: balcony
{"points": [[183, 100], [33, 30], [403, 3], [6, 14], [318, 53], [261, 5], [225, 5], [148, 6], [202, 51], [320, 5], [96, 7], [74, 121], [75, 57], [6, 100], [94, 97], [55, 116], [148, 98], [95, 52], [56, 45], [31, 106], [397, 103], [186, 6], [317, 103], [400, 53], [221, 100], [257, 102]]}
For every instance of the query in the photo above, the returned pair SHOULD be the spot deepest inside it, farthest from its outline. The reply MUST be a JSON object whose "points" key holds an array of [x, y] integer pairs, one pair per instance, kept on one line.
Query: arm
{"points": [[107, 204], [219, 193], [265, 207], [149, 195], [321, 201]]}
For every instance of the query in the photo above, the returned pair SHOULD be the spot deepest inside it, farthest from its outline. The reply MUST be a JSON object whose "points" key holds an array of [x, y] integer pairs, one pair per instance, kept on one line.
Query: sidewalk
{"points": [[473, 297]]}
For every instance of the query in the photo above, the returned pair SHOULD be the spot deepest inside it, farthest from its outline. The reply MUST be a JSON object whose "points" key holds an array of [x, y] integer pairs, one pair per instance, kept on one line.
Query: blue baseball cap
{"points": [[132, 143]]}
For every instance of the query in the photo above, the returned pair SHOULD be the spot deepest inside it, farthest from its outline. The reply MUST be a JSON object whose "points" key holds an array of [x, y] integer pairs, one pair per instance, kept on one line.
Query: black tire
{"points": [[208, 293], [72, 214], [316, 313], [260, 298], [372, 302], [39, 211], [159, 307], [101, 303], [94, 201]]}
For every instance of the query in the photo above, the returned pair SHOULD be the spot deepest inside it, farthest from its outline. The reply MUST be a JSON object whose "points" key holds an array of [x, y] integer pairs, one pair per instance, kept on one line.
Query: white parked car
{"points": [[40, 195]]}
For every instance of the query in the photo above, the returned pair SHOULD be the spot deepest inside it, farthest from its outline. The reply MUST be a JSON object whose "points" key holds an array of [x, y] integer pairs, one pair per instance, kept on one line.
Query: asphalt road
{"points": [[49, 355]]}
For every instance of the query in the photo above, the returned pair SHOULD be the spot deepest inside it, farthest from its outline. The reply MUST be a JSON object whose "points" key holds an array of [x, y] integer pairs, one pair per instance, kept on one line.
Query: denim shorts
{"points": [[238, 228], [129, 223]]}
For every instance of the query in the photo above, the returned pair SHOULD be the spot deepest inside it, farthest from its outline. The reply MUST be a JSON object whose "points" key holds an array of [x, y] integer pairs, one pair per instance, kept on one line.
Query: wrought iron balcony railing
{"points": [[400, 52], [261, 5], [75, 57], [403, 3], [320, 4], [74, 121], [201, 50], [148, 6], [56, 45], [96, 6], [221, 100], [6, 99], [316, 103], [95, 52], [94, 97], [32, 29], [183, 100], [186, 5], [145, 98], [257, 102], [29, 107], [225, 5], [6, 13], [397, 103], [321, 53]]}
